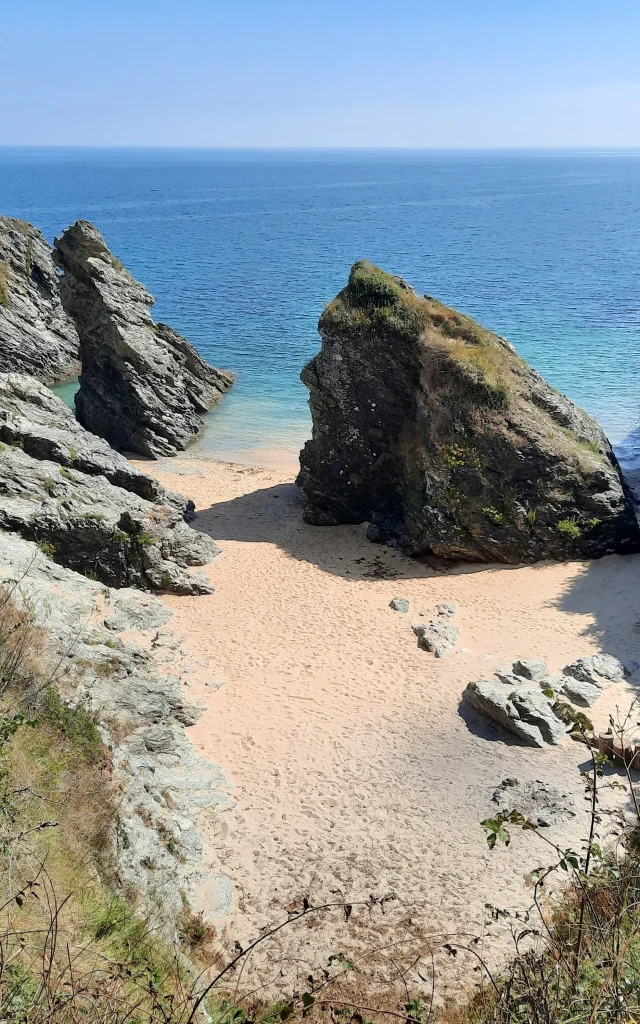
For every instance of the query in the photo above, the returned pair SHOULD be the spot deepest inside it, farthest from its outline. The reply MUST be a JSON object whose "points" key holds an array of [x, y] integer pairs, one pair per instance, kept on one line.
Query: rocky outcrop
{"points": [[143, 387], [529, 700], [36, 335], [522, 710], [438, 434], [162, 787], [86, 506], [584, 680]]}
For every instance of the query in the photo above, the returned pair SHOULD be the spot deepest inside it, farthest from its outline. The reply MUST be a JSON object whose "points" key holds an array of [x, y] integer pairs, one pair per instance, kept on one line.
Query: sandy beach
{"points": [[353, 770]]}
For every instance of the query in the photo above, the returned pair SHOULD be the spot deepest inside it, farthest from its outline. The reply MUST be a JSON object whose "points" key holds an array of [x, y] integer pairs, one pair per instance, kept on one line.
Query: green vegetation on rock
{"points": [[5, 277]]}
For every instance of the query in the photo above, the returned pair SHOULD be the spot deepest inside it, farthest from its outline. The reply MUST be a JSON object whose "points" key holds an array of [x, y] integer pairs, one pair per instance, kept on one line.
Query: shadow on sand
{"points": [[273, 515]]}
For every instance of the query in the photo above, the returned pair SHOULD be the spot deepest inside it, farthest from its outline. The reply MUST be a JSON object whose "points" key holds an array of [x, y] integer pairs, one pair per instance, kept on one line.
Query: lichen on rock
{"points": [[143, 386], [435, 431]]}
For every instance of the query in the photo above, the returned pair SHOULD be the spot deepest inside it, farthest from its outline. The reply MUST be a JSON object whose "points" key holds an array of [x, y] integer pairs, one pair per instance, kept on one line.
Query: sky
{"points": [[290, 73]]}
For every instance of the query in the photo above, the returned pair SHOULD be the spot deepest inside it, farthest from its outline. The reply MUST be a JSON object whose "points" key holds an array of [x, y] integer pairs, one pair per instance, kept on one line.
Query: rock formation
{"points": [[162, 785], [143, 387], [522, 710], [584, 680], [438, 434], [528, 698], [36, 335], [86, 506]]}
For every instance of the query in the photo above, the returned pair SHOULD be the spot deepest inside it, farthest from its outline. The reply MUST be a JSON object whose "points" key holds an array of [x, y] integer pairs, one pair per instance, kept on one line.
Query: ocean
{"points": [[242, 249]]}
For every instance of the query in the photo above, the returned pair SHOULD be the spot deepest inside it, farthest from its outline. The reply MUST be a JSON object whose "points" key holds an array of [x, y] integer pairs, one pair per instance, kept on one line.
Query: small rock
{"points": [[531, 668], [399, 604], [585, 679], [508, 678], [580, 691], [446, 610], [608, 667], [439, 637]]}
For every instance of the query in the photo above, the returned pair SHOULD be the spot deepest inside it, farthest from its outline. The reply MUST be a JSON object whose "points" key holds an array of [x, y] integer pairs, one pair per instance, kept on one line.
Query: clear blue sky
{"points": [[293, 73]]}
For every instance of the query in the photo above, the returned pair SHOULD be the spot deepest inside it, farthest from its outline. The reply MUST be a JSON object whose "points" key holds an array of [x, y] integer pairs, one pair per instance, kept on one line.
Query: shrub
{"points": [[371, 288], [569, 527], [76, 724], [5, 277], [144, 539], [496, 517], [581, 958]]}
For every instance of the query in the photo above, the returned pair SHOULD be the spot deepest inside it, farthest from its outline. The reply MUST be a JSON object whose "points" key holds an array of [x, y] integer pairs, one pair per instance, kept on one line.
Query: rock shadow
{"points": [[486, 729], [274, 515], [607, 594]]}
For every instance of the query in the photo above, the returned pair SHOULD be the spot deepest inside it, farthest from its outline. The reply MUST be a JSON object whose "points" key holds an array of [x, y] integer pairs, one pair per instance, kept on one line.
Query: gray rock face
{"points": [[78, 515], [399, 604], [580, 692], [584, 680], [34, 419], [36, 335], [143, 387], [434, 431], [163, 787], [437, 636], [523, 711], [541, 803], [531, 668]]}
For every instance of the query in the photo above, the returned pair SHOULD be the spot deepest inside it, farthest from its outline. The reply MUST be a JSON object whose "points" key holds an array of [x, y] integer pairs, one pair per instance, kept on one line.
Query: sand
{"points": [[352, 768]]}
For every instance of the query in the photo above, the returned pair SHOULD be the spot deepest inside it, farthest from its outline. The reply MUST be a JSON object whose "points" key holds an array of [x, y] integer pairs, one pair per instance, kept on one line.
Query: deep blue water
{"points": [[243, 249]]}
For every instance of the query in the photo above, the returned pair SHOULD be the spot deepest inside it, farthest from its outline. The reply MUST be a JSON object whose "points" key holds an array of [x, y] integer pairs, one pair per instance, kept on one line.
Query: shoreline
{"points": [[352, 766]]}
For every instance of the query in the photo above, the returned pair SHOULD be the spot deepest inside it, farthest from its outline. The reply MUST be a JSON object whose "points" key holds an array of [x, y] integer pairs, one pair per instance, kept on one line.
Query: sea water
{"points": [[243, 249]]}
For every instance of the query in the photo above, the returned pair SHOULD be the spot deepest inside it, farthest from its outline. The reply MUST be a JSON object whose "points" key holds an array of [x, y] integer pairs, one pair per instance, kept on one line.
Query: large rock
{"points": [[523, 710], [84, 504], [438, 434], [36, 335], [143, 387]]}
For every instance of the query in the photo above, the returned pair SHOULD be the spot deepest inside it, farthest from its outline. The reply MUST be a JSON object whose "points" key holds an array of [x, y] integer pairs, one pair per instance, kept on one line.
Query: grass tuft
{"points": [[5, 277]]}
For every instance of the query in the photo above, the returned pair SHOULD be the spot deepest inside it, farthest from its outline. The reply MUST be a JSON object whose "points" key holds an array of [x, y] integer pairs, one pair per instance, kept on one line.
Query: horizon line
{"points": [[321, 149]]}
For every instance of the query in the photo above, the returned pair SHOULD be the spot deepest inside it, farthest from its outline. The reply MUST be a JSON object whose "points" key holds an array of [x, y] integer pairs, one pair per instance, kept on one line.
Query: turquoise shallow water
{"points": [[243, 249]]}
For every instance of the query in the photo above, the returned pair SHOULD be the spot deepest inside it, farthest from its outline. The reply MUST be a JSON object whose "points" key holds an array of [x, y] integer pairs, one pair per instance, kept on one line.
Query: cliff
{"points": [[143, 387], [437, 433], [36, 335], [86, 506]]}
